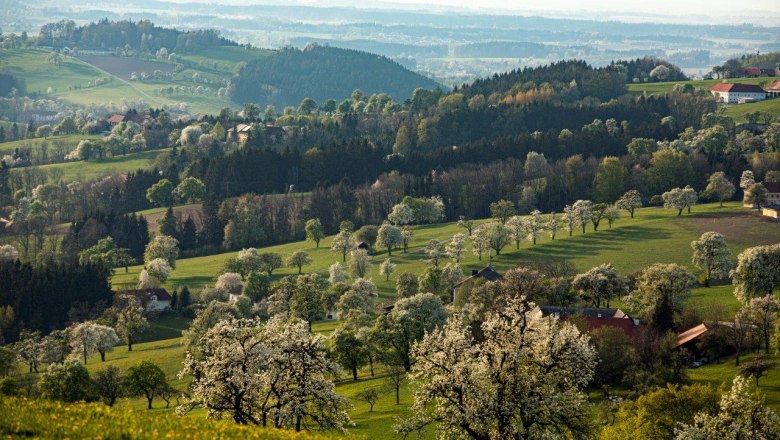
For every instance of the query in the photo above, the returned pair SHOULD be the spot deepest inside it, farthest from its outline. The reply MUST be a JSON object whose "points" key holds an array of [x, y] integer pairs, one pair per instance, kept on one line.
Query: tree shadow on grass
{"points": [[593, 243]]}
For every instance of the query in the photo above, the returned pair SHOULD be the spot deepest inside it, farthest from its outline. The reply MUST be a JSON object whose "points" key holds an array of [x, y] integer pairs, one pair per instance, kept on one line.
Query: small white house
{"points": [[155, 300], [736, 93]]}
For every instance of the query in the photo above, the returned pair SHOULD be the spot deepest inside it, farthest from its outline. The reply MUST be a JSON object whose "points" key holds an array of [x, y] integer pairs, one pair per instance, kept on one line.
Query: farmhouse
{"points": [[733, 93], [773, 91], [753, 72], [596, 318], [772, 207], [239, 133], [155, 300], [116, 119], [486, 274]]}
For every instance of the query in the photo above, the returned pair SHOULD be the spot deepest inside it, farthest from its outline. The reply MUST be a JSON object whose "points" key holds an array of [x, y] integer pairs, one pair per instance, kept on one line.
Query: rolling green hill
{"points": [[322, 73], [655, 235]]}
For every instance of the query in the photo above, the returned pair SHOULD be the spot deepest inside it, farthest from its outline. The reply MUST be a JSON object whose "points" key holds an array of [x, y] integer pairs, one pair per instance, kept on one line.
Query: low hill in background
{"points": [[322, 73]]}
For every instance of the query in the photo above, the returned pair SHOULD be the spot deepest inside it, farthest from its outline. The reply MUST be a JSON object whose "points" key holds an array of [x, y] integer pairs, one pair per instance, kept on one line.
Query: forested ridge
{"points": [[321, 73]]}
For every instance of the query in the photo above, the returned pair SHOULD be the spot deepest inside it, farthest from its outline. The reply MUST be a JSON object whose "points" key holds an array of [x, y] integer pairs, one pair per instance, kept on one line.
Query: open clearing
{"points": [[123, 67]]}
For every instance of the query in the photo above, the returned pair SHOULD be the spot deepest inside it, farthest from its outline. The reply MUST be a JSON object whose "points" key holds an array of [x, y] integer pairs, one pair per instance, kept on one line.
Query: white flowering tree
{"points": [[275, 373], [522, 378], [299, 259], [336, 273], [535, 226], [358, 300], [8, 253], [435, 252], [583, 210], [497, 234], [456, 247], [741, 415], [359, 263], [711, 254], [479, 243], [387, 269], [569, 218], [154, 274], [757, 272], [518, 229], [229, 281], [630, 201], [552, 224], [342, 243], [407, 233], [88, 337], [600, 284], [402, 214], [747, 180], [162, 246], [680, 199], [389, 236], [407, 323]]}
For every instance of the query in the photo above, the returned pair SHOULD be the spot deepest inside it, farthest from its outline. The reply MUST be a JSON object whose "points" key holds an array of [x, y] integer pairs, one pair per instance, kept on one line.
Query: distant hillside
{"points": [[142, 36], [322, 73]]}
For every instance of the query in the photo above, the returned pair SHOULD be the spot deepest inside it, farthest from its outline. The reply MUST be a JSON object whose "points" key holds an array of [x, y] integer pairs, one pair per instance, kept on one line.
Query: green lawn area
{"points": [[655, 235], [82, 170], [717, 374], [69, 80]]}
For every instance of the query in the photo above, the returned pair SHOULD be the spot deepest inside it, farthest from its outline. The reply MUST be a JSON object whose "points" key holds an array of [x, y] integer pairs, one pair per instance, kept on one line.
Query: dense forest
{"points": [[141, 35], [321, 73], [9, 82]]}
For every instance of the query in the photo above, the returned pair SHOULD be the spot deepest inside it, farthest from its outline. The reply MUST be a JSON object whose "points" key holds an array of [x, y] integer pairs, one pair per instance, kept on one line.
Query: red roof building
{"points": [[736, 93], [116, 119]]}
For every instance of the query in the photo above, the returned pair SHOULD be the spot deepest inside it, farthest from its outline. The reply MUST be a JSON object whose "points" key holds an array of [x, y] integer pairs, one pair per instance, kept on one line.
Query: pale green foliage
{"points": [[387, 269], [741, 416], [161, 193], [479, 243], [655, 415], [611, 214], [661, 291], [719, 185], [275, 373], [407, 323], [359, 263], [314, 231], [747, 179], [145, 379], [503, 384], [502, 210], [358, 299], [131, 322], [162, 246], [711, 254], [190, 190], [757, 272], [299, 259]]}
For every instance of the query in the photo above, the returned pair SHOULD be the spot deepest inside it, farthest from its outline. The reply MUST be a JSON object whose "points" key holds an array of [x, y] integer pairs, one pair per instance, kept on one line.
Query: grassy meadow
{"points": [[655, 235], [85, 170], [69, 80]]}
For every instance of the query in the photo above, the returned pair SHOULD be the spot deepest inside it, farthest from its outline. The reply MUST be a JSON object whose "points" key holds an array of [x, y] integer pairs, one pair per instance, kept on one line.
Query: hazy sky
{"points": [[765, 12]]}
